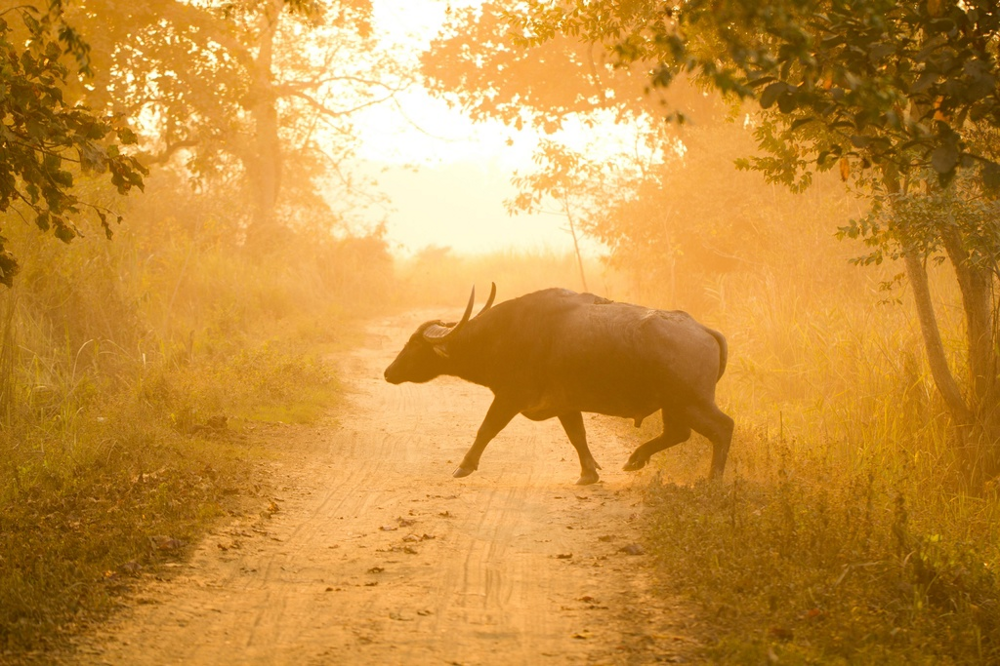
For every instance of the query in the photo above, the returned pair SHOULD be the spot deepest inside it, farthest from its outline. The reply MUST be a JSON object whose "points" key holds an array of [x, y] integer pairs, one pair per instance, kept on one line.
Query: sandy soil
{"points": [[375, 555]]}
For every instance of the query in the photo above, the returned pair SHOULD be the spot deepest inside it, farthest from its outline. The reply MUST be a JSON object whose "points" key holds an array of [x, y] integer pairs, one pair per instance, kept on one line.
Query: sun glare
{"points": [[448, 177]]}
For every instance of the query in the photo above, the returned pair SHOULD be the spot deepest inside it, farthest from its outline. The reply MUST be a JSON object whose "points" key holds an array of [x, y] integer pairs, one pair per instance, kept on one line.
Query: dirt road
{"points": [[375, 555]]}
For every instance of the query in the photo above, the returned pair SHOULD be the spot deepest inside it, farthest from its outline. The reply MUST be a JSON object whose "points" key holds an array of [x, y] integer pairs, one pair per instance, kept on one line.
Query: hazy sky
{"points": [[447, 177], [448, 180]]}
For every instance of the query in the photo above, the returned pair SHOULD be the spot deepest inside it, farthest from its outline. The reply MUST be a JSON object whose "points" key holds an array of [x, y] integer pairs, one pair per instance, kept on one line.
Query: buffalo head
{"points": [[425, 355]]}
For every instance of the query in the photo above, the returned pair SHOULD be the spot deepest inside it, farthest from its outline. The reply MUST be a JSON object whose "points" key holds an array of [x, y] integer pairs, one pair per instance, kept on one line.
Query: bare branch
{"points": [[293, 87], [332, 113], [169, 151]]}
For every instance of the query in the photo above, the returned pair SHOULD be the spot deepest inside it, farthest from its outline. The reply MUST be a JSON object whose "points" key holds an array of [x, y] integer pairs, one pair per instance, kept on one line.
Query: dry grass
{"points": [[437, 277], [847, 530], [128, 372]]}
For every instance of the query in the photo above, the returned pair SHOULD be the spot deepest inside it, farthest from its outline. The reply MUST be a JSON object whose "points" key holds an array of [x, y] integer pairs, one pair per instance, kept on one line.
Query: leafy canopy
{"points": [[897, 84], [46, 141]]}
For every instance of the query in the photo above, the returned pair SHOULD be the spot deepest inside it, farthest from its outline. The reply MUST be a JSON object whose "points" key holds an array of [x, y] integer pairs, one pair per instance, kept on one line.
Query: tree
{"points": [[897, 96], [47, 141], [485, 65], [579, 186], [258, 94], [901, 97]]}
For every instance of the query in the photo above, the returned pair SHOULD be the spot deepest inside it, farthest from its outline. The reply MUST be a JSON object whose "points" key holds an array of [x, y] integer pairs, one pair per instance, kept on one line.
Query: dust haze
{"points": [[222, 222]]}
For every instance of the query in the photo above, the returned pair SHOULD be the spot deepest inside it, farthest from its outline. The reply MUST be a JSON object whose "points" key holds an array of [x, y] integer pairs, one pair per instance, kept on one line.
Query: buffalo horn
{"points": [[489, 301], [440, 333]]}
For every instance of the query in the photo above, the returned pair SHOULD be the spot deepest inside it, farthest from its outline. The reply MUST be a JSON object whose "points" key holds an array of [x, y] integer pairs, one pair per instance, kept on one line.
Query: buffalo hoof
{"points": [[588, 478], [462, 472], [634, 465]]}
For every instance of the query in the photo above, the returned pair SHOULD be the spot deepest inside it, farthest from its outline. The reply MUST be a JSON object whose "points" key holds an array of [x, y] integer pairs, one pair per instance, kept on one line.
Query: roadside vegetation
{"points": [[851, 527], [135, 375], [439, 278], [144, 340]]}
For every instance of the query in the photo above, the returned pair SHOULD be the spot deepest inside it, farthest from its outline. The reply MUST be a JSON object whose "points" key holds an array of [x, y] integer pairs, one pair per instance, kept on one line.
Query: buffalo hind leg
{"points": [[497, 418], [674, 432], [572, 423], [710, 421]]}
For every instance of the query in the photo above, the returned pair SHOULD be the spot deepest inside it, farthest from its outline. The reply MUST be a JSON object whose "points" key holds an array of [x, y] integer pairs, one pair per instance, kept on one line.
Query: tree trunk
{"points": [[916, 272], [576, 244], [264, 161], [976, 287], [943, 378]]}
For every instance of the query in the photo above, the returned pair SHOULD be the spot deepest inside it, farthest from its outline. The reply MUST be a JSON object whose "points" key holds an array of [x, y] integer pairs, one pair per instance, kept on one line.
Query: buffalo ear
{"points": [[440, 351]]}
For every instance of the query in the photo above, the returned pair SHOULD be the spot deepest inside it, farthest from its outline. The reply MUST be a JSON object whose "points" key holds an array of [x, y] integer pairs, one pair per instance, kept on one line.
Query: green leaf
{"points": [[770, 94], [8, 267], [991, 177], [944, 158], [787, 102], [754, 83], [800, 122], [127, 136], [63, 232]]}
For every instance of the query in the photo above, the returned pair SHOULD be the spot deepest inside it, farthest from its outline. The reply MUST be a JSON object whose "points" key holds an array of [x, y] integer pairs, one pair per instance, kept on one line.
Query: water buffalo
{"points": [[559, 353]]}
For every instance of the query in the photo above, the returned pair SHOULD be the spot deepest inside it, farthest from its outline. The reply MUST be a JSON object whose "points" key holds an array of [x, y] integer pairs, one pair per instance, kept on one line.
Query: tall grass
{"points": [[127, 370], [848, 530]]}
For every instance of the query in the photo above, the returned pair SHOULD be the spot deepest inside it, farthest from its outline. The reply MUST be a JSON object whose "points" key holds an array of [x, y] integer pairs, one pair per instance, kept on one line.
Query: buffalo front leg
{"points": [[572, 423], [497, 418]]}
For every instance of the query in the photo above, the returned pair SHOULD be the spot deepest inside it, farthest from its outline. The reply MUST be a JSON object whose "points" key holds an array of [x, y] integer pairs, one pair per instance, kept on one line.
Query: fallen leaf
{"points": [[781, 633], [815, 614], [162, 542], [131, 567]]}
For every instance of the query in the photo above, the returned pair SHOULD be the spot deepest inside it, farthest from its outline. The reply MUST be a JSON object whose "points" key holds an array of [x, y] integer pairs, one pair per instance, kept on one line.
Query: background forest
{"points": [[817, 180]]}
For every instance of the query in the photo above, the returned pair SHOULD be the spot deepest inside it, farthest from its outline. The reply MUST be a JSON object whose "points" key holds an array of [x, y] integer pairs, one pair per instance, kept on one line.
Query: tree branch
{"points": [[331, 113], [294, 87], [169, 151]]}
